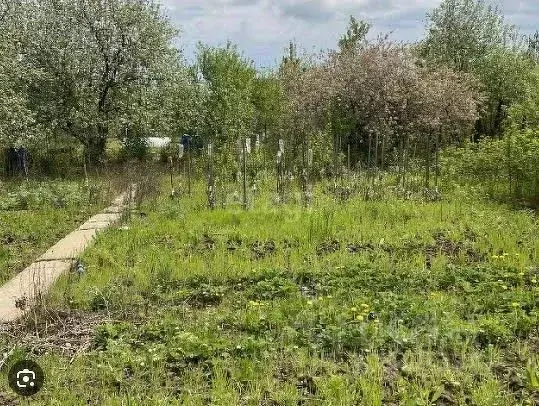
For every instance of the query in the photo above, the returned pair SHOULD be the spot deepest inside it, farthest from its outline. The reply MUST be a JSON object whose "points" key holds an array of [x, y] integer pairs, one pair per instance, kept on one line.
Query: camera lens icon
{"points": [[26, 378]]}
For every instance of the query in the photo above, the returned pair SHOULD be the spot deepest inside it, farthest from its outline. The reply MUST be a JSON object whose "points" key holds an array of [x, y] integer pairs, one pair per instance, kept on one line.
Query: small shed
{"points": [[158, 142]]}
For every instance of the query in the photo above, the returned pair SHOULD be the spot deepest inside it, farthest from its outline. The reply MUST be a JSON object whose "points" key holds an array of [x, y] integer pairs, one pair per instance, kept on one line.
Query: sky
{"points": [[262, 29]]}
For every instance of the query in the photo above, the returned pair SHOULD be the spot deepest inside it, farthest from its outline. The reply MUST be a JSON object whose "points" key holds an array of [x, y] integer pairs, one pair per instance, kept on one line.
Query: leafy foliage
{"points": [[15, 116], [79, 73], [93, 66], [473, 36]]}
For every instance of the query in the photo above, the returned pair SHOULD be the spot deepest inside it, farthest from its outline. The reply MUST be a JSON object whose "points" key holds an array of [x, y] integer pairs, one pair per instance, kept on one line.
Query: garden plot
{"points": [[380, 302]]}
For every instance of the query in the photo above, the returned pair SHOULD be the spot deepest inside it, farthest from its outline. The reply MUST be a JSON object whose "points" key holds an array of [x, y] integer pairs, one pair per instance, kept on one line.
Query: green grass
{"points": [[367, 303], [36, 214]]}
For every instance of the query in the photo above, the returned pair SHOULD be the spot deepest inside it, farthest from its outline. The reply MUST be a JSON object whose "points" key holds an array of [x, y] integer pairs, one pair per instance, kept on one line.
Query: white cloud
{"points": [[262, 28]]}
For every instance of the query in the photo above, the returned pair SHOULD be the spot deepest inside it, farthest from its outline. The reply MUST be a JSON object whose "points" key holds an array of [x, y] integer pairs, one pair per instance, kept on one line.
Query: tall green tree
{"points": [[473, 36], [95, 59], [229, 79], [355, 35], [533, 47], [16, 119], [461, 32], [268, 100]]}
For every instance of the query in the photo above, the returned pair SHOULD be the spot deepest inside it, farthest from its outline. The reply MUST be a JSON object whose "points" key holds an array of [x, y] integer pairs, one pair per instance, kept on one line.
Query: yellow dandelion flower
{"points": [[353, 309], [515, 304], [359, 317]]}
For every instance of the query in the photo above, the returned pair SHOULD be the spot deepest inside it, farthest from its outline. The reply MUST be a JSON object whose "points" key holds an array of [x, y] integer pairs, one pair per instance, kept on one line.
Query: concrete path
{"points": [[18, 295]]}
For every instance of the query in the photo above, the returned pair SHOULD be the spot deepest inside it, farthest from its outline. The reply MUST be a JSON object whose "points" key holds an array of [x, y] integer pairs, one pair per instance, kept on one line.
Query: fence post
{"points": [[189, 165], [211, 184], [246, 145], [308, 186], [280, 158]]}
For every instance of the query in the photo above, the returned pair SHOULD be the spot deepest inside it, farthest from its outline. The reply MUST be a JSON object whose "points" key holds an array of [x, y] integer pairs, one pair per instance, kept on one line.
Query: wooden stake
{"points": [[189, 166], [244, 149], [349, 166]]}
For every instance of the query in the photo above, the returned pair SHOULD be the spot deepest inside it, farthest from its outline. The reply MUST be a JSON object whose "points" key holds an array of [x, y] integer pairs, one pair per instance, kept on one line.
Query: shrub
{"points": [[506, 168], [56, 160], [134, 148]]}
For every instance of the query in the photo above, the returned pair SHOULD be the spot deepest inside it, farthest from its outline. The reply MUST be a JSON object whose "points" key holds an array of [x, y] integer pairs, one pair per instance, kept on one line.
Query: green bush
{"points": [[506, 168], [134, 148], [2, 162], [59, 161], [171, 150]]}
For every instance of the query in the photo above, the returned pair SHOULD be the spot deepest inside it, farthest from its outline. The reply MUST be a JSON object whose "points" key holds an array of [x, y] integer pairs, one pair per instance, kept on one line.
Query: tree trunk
{"points": [[95, 148], [498, 119]]}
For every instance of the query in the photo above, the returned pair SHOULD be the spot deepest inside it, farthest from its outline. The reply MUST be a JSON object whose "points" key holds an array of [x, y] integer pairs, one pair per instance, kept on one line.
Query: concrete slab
{"points": [[21, 292], [69, 247], [120, 200], [94, 226], [114, 209], [101, 221], [105, 218]]}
